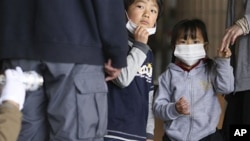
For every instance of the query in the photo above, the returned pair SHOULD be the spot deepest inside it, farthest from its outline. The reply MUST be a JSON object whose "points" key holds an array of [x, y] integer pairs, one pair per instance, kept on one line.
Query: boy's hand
{"points": [[141, 34], [111, 71]]}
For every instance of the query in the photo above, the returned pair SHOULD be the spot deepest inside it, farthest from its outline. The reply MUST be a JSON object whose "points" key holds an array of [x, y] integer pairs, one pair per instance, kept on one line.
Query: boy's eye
{"points": [[154, 11], [139, 6]]}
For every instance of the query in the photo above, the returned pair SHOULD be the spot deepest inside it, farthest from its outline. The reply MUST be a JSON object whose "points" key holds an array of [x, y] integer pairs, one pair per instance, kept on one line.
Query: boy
{"points": [[130, 95]]}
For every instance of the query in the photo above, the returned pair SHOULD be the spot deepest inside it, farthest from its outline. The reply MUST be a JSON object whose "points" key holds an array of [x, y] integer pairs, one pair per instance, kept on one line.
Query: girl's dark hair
{"points": [[127, 3], [189, 27]]}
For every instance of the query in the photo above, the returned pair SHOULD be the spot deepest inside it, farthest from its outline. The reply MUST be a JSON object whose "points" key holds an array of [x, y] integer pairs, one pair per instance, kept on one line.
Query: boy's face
{"points": [[143, 13]]}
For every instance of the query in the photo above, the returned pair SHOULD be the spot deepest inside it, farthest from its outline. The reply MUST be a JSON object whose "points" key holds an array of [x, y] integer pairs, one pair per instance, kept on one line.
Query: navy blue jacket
{"points": [[63, 31]]}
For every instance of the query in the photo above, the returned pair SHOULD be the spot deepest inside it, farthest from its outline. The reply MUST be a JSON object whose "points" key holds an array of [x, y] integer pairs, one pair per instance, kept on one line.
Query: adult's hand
{"points": [[231, 34], [14, 88]]}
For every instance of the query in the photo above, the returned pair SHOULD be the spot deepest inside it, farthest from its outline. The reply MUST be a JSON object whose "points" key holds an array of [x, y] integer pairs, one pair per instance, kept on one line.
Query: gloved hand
{"points": [[14, 88]]}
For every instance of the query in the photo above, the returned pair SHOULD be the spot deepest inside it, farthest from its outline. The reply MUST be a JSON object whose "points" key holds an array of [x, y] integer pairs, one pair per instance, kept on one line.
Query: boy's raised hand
{"points": [[141, 34]]}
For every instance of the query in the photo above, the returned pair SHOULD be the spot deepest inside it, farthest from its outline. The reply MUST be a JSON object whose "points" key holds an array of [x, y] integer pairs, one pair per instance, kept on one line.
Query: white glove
{"points": [[14, 88]]}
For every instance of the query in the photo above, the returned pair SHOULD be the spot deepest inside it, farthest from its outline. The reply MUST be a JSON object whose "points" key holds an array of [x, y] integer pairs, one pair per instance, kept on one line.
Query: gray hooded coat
{"points": [[241, 49]]}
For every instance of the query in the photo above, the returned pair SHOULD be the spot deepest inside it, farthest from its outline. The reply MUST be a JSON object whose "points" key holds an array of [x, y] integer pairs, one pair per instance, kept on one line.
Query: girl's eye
{"points": [[197, 42], [182, 41]]}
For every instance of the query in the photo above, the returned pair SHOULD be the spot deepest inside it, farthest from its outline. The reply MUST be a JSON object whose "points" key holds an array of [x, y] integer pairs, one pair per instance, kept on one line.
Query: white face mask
{"points": [[132, 26], [189, 54]]}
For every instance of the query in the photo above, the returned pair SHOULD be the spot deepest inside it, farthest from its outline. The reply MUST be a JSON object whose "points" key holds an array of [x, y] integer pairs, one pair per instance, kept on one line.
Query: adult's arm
{"points": [[10, 121], [112, 27]]}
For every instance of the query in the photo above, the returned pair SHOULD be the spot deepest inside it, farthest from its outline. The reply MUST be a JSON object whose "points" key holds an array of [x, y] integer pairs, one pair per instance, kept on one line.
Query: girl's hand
{"points": [[182, 106], [224, 53]]}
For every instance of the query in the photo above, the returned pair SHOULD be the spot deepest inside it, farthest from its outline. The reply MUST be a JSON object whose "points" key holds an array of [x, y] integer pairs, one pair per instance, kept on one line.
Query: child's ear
{"points": [[206, 46]]}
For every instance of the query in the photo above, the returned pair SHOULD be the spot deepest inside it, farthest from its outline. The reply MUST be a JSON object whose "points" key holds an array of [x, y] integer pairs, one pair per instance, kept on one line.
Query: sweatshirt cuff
{"points": [[172, 112], [143, 47], [222, 62], [150, 136]]}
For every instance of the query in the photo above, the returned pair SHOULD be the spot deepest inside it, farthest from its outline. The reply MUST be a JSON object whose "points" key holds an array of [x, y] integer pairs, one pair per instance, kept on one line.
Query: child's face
{"points": [[189, 54], [143, 13], [198, 40]]}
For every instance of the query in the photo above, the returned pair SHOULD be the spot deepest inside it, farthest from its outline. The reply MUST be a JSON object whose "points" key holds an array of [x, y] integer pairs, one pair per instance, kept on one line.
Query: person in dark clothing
{"points": [[68, 42], [237, 38]]}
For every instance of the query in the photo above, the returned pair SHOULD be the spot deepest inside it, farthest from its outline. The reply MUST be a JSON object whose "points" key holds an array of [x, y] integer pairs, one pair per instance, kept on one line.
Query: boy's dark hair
{"points": [[189, 27], [127, 3]]}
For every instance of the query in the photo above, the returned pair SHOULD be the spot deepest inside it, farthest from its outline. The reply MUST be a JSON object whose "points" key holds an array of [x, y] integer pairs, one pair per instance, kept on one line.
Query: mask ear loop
{"points": [[129, 19], [155, 26], [127, 15]]}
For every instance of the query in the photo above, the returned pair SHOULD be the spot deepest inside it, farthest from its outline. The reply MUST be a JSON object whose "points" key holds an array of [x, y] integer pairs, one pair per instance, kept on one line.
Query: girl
{"points": [[187, 95]]}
